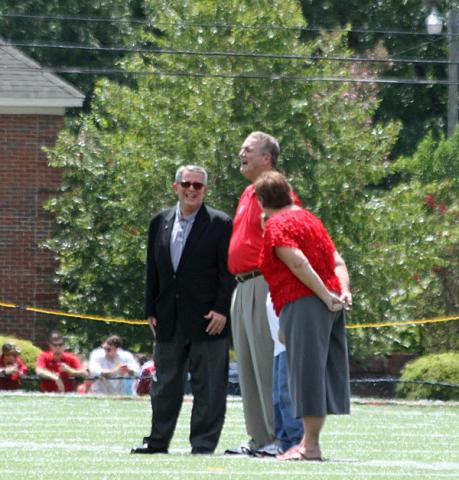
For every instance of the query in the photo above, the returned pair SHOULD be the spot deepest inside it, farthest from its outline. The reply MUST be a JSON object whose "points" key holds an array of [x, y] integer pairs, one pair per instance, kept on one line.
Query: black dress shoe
{"points": [[201, 451], [147, 449]]}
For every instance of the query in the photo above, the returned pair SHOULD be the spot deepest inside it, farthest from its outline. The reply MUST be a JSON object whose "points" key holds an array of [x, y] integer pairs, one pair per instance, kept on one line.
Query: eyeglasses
{"points": [[196, 185], [58, 345]]}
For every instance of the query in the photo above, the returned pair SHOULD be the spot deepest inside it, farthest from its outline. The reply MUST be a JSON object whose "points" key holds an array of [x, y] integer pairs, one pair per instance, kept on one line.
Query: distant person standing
{"points": [[188, 294], [12, 368], [114, 368], [251, 335], [57, 368]]}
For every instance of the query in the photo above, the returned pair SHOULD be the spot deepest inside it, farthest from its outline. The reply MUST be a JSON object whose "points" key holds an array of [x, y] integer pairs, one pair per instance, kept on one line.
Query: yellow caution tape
{"points": [[48, 311], [408, 322]]}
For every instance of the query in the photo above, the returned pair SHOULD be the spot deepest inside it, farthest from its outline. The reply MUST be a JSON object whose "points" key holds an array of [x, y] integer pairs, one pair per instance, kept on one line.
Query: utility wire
{"points": [[417, 47], [76, 18], [240, 76], [161, 51]]}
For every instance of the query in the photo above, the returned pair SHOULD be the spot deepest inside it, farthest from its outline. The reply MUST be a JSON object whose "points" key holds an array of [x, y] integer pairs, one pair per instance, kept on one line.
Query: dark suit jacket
{"points": [[201, 282]]}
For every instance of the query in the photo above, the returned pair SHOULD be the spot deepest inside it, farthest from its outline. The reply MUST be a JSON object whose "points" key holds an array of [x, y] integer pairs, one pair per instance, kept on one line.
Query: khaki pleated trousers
{"points": [[254, 349]]}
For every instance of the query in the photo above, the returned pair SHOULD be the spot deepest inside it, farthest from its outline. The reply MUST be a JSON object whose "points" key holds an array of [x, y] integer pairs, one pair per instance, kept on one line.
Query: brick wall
{"points": [[26, 181]]}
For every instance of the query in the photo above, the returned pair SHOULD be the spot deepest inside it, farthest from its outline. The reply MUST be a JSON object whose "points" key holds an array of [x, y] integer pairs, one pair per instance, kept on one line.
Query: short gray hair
{"points": [[191, 168], [268, 145]]}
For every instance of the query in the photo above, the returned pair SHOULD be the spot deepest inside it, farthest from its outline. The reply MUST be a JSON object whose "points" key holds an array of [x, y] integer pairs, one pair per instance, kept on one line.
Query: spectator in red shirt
{"points": [[12, 368], [309, 286], [147, 374], [57, 368]]}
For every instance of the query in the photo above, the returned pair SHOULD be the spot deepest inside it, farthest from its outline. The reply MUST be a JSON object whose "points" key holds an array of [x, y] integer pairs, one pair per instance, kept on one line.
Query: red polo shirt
{"points": [[247, 237], [46, 360]]}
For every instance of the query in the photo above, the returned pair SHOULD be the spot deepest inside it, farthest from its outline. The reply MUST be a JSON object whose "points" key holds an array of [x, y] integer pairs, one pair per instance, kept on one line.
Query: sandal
{"points": [[289, 453], [297, 453]]}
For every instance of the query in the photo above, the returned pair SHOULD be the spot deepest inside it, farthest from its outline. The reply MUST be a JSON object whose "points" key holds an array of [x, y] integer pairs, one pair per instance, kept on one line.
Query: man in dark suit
{"points": [[188, 296]]}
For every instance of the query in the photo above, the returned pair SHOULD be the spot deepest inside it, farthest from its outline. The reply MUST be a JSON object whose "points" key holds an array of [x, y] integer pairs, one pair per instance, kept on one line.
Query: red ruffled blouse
{"points": [[303, 230]]}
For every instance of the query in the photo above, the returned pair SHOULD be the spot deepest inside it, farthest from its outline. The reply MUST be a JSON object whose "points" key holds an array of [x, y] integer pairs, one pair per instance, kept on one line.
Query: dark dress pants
{"points": [[207, 362]]}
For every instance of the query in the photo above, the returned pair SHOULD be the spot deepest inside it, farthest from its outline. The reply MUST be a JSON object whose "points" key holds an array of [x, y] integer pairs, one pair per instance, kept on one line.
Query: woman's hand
{"points": [[346, 297], [334, 302]]}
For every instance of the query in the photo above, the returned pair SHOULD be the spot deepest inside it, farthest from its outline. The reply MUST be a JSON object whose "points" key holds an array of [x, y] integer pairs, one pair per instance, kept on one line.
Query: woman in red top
{"points": [[12, 368], [309, 286]]}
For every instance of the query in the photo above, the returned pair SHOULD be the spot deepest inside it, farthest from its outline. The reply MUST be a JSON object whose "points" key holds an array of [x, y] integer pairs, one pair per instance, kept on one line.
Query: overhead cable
{"points": [[241, 76], [204, 53], [140, 21]]}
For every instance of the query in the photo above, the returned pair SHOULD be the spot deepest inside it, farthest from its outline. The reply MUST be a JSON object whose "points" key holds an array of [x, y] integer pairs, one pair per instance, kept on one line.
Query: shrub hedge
{"points": [[443, 367], [29, 351]]}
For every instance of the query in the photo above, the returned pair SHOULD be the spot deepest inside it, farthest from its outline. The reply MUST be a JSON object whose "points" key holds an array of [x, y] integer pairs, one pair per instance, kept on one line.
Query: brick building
{"points": [[32, 108]]}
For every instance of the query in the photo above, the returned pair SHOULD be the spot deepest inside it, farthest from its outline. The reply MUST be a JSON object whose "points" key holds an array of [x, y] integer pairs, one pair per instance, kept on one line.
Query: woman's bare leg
{"points": [[310, 441]]}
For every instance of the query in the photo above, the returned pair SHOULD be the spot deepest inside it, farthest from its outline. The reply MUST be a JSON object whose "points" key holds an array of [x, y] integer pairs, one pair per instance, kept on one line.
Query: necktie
{"points": [[178, 242]]}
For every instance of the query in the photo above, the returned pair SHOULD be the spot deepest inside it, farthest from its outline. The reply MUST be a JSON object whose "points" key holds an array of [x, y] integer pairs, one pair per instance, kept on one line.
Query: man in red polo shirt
{"points": [[251, 334], [57, 368]]}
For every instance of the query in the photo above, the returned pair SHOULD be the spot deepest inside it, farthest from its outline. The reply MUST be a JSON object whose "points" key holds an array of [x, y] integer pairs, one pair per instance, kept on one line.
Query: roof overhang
{"points": [[42, 102]]}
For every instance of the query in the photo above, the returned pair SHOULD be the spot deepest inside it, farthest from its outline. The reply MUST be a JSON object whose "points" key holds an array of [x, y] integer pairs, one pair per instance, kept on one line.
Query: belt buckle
{"points": [[241, 278]]}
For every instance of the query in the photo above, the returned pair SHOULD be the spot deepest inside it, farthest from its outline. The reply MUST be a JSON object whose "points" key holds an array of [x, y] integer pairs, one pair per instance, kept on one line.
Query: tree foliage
{"points": [[63, 32], [395, 29], [435, 168], [419, 108], [120, 166]]}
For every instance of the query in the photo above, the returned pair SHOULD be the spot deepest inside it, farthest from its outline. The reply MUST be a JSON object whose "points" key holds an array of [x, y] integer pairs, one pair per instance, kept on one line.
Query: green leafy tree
{"points": [[61, 32], [435, 169], [198, 109], [419, 108]]}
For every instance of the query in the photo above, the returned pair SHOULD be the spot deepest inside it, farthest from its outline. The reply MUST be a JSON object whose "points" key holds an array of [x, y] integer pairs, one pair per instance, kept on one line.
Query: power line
{"points": [[218, 25], [240, 76], [161, 51], [416, 47]]}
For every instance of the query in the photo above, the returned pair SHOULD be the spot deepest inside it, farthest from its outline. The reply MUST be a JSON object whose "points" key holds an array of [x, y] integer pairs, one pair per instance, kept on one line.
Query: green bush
{"points": [[29, 352], [443, 367]]}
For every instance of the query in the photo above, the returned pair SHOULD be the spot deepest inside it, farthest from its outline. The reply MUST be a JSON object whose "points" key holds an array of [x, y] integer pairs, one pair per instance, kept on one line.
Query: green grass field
{"points": [[71, 437]]}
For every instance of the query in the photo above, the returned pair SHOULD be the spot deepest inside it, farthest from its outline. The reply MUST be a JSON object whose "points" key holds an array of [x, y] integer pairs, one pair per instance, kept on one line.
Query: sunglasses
{"points": [[196, 185]]}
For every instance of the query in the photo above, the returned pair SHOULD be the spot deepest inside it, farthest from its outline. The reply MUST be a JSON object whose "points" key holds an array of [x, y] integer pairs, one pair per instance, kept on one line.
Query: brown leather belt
{"points": [[242, 277]]}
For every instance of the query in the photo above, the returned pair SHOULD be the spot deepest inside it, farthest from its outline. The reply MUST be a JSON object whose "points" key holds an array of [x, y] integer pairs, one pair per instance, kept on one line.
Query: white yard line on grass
{"points": [[177, 453], [226, 473]]}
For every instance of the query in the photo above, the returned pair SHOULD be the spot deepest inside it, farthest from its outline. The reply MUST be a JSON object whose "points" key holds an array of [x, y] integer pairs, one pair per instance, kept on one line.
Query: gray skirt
{"points": [[317, 361]]}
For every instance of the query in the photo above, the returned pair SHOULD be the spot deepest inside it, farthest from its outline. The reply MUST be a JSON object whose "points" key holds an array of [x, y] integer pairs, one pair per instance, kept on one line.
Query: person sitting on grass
{"points": [[147, 375], [12, 368], [57, 368], [114, 368]]}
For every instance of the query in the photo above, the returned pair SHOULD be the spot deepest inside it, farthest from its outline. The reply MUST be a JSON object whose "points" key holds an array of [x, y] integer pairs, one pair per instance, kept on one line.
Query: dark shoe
{"points": [[243, 449], [201, 451], [147, 449], [270, 450]]}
